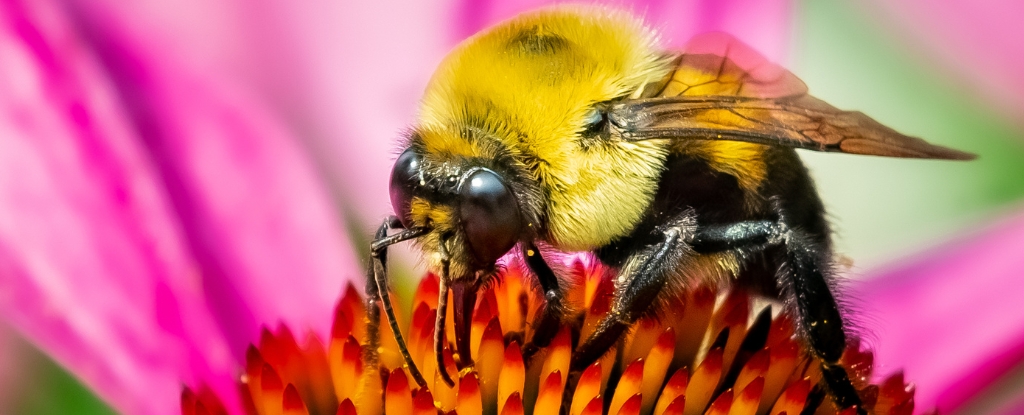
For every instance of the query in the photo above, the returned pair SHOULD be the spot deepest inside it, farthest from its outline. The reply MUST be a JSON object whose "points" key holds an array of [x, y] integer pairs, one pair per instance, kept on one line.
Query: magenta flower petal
{"points": [[254, 215], [149, 220], [91, 265], [951, 319], [1014, 408], [981, 43], [152, 218], [348, 76], [763, 24]]}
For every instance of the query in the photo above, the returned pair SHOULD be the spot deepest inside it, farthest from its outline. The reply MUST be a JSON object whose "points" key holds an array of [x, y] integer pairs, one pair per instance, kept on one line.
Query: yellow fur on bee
{"points": [[443, 219], [445, 144], [529, 84], [743, 160], [425, 214]]}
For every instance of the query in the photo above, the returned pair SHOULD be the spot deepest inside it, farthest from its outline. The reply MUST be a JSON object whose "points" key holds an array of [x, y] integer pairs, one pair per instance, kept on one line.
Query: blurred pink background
{"points": [[175, 174]]}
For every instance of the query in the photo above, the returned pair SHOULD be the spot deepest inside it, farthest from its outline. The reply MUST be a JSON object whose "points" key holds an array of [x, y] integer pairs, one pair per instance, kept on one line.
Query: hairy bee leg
{"points": [[554, 309], [644, 274], [377, 296], [373, 300], [821, 323]]}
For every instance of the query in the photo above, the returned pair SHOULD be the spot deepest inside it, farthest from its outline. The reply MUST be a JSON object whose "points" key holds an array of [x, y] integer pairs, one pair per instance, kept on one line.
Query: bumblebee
{"points": [[569, 129]]}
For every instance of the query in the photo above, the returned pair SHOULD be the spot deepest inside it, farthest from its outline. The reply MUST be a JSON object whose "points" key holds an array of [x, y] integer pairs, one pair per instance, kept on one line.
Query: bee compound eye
{"points": [[405, 181], [490, 215], [594, 120]]}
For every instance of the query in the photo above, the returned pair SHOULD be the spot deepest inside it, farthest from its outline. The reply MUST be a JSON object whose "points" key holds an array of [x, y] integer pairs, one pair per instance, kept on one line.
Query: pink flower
{"points": [[950, 319], [347, 76], [152, 218], [172, 176], [156, 209], [977, 44]]}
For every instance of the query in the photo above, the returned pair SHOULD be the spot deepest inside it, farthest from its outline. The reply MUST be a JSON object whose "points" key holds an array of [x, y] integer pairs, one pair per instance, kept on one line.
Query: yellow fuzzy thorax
{"points": [[528, 85]]}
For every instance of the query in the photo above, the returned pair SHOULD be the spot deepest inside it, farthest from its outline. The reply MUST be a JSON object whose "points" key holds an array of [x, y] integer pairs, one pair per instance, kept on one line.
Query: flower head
{"points": [[156, 207], [708, 351]]}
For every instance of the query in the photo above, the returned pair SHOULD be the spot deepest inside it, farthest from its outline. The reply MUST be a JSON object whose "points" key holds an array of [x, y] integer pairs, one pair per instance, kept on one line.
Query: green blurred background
{"points": [[890, 208], [882, 209]]}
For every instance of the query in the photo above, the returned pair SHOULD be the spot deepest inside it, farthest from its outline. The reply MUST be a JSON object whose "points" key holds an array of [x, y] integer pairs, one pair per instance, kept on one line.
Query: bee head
{"points": [[471, 212], [471, 217], [498, 143]]}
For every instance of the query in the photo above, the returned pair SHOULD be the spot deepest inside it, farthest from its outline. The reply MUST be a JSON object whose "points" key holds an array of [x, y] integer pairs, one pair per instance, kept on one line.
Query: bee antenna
{"points": [[439, 327]]}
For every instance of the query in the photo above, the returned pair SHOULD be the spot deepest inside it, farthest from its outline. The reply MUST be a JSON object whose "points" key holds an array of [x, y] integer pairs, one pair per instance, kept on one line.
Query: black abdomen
{"points": [[689, 183], [686, 183]]}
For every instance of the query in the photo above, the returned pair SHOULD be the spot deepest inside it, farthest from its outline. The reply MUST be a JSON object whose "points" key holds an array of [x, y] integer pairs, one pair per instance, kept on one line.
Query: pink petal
{"points": [[980, 43], [13, 366], [252, 210], [1013, 408], [91, 267], [951, 319], [349, 75], [149, 220], [763, 24], [227, 220]]}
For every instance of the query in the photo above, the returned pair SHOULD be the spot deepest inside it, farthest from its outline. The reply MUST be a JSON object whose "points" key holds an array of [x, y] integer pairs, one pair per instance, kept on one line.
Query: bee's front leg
{"points": [[373, 299], [641, 279], [554, 310], [377, 295]]}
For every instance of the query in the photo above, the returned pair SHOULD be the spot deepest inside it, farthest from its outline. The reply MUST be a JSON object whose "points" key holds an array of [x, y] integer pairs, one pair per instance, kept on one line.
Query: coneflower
{"points": [[708, 352]]}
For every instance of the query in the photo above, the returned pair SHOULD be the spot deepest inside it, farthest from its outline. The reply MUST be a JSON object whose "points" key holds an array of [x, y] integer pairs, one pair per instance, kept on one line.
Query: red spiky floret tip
{"points": [[698, 359]]}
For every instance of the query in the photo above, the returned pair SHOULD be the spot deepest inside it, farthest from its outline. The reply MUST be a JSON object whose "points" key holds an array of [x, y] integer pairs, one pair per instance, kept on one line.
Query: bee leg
{"points": [[554, 309], [373, 295], [805, 280], [640, 281], [377, 296], [822, 323]]}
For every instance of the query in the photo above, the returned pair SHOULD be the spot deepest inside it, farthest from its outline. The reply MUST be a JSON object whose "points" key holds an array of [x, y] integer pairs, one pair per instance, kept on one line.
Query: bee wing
{"points": [[800, 122], [719, 64], [723, 90]]}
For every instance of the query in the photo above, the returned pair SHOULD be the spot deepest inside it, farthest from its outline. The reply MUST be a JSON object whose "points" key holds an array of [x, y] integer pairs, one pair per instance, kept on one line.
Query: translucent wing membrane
{"points": [[718, 64], [800, 122], [724, 90]]}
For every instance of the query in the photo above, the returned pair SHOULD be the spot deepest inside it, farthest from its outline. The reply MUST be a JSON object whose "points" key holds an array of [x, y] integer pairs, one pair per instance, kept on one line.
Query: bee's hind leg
{"points": [[641, 279], [805, 280]]}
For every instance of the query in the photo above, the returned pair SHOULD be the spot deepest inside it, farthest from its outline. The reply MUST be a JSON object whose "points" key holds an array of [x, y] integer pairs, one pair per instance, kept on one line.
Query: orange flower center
{"points": [[705, 353]]}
